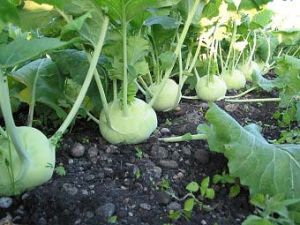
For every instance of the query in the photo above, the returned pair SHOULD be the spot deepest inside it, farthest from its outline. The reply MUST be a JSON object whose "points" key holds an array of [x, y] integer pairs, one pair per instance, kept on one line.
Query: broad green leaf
{"points": [[21, 50], [167, 59], [74, 64], [211, 9], [137, 49], [166, 22], [57, 3], [8, 12], [189, 204], [42, 81], [192, 187], [265, 168], [261, 19], [40, 19], [288, 70], [167, 3], [76, 24], [125, 9], [186, 6], [91, 14], [204, 186], [255, 220]]}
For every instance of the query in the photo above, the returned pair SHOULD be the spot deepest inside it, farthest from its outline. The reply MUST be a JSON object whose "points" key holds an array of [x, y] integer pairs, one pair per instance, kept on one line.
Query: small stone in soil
{"points": [[171, 164], [70, 189], [145, 206], [5, 202], [231, 107], [92, 152], [203, 222], [77, 150], [175, 155], [174, 206], [106, 210], [159, 152], [165, 131], [162, 198], [202, 156], [186, 150]]}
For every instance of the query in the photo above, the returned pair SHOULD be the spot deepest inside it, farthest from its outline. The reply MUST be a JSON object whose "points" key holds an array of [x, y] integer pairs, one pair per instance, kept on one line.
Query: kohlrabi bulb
{"points": [[40, 168], [134, 128], [168, 98], [234, 79], [212, 90], [248, 69]]}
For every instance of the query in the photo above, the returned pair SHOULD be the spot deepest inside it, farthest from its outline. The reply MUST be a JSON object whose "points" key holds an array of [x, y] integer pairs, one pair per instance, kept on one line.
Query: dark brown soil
{"points": [[112, 180]]}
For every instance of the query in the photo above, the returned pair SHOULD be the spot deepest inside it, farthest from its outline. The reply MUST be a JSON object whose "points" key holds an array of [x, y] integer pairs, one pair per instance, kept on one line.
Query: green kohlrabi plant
{"points": [[27, 156]]}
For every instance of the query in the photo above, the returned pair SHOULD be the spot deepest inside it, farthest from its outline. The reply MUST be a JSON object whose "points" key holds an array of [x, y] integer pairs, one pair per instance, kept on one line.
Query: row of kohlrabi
{"points": [[50, 55]]}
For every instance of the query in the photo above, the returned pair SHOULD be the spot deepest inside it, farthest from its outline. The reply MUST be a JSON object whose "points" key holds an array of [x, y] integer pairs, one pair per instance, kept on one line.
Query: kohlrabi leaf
{"points": [[74, 64], [211, 9], [43, 82], [125, 9], [166, 3], [137, 49], [287, 38], [166, 22], [77, 23], [252, 4], [56, 3], [89, 18], [261, 19], [288, 70], [185, 8], [40, 19], [265, 168], [264, 83], [21, 50], [8, 12]]}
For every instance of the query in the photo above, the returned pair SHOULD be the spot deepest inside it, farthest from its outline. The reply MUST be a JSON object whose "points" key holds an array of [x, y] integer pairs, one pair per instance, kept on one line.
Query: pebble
{"points": [[202, 156], [92, 152], [162, 198], [159, 152], [42, 221], [70, 189], [171, 164], [231, 107], [89, 214], [204, 105], [175, 155], [186, 150], [106, 210], [165, 130], [174, 206], [111, 149], [77, 150], [203, 222], [85, 192], [145, 206], [5, 202]]}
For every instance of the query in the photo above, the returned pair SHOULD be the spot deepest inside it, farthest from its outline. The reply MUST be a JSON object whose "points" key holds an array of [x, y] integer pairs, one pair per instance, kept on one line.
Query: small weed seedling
{"points": [[191, 199], [60, 170], [139, 152], [225, 178]]}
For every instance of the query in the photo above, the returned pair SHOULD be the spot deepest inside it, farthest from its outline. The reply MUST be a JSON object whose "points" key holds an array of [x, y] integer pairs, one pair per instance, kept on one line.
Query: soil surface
{"points": [[104, 180]]}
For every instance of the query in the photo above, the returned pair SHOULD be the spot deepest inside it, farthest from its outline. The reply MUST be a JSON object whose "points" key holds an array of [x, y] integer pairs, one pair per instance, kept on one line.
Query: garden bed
{"points": [[119, 180]]}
